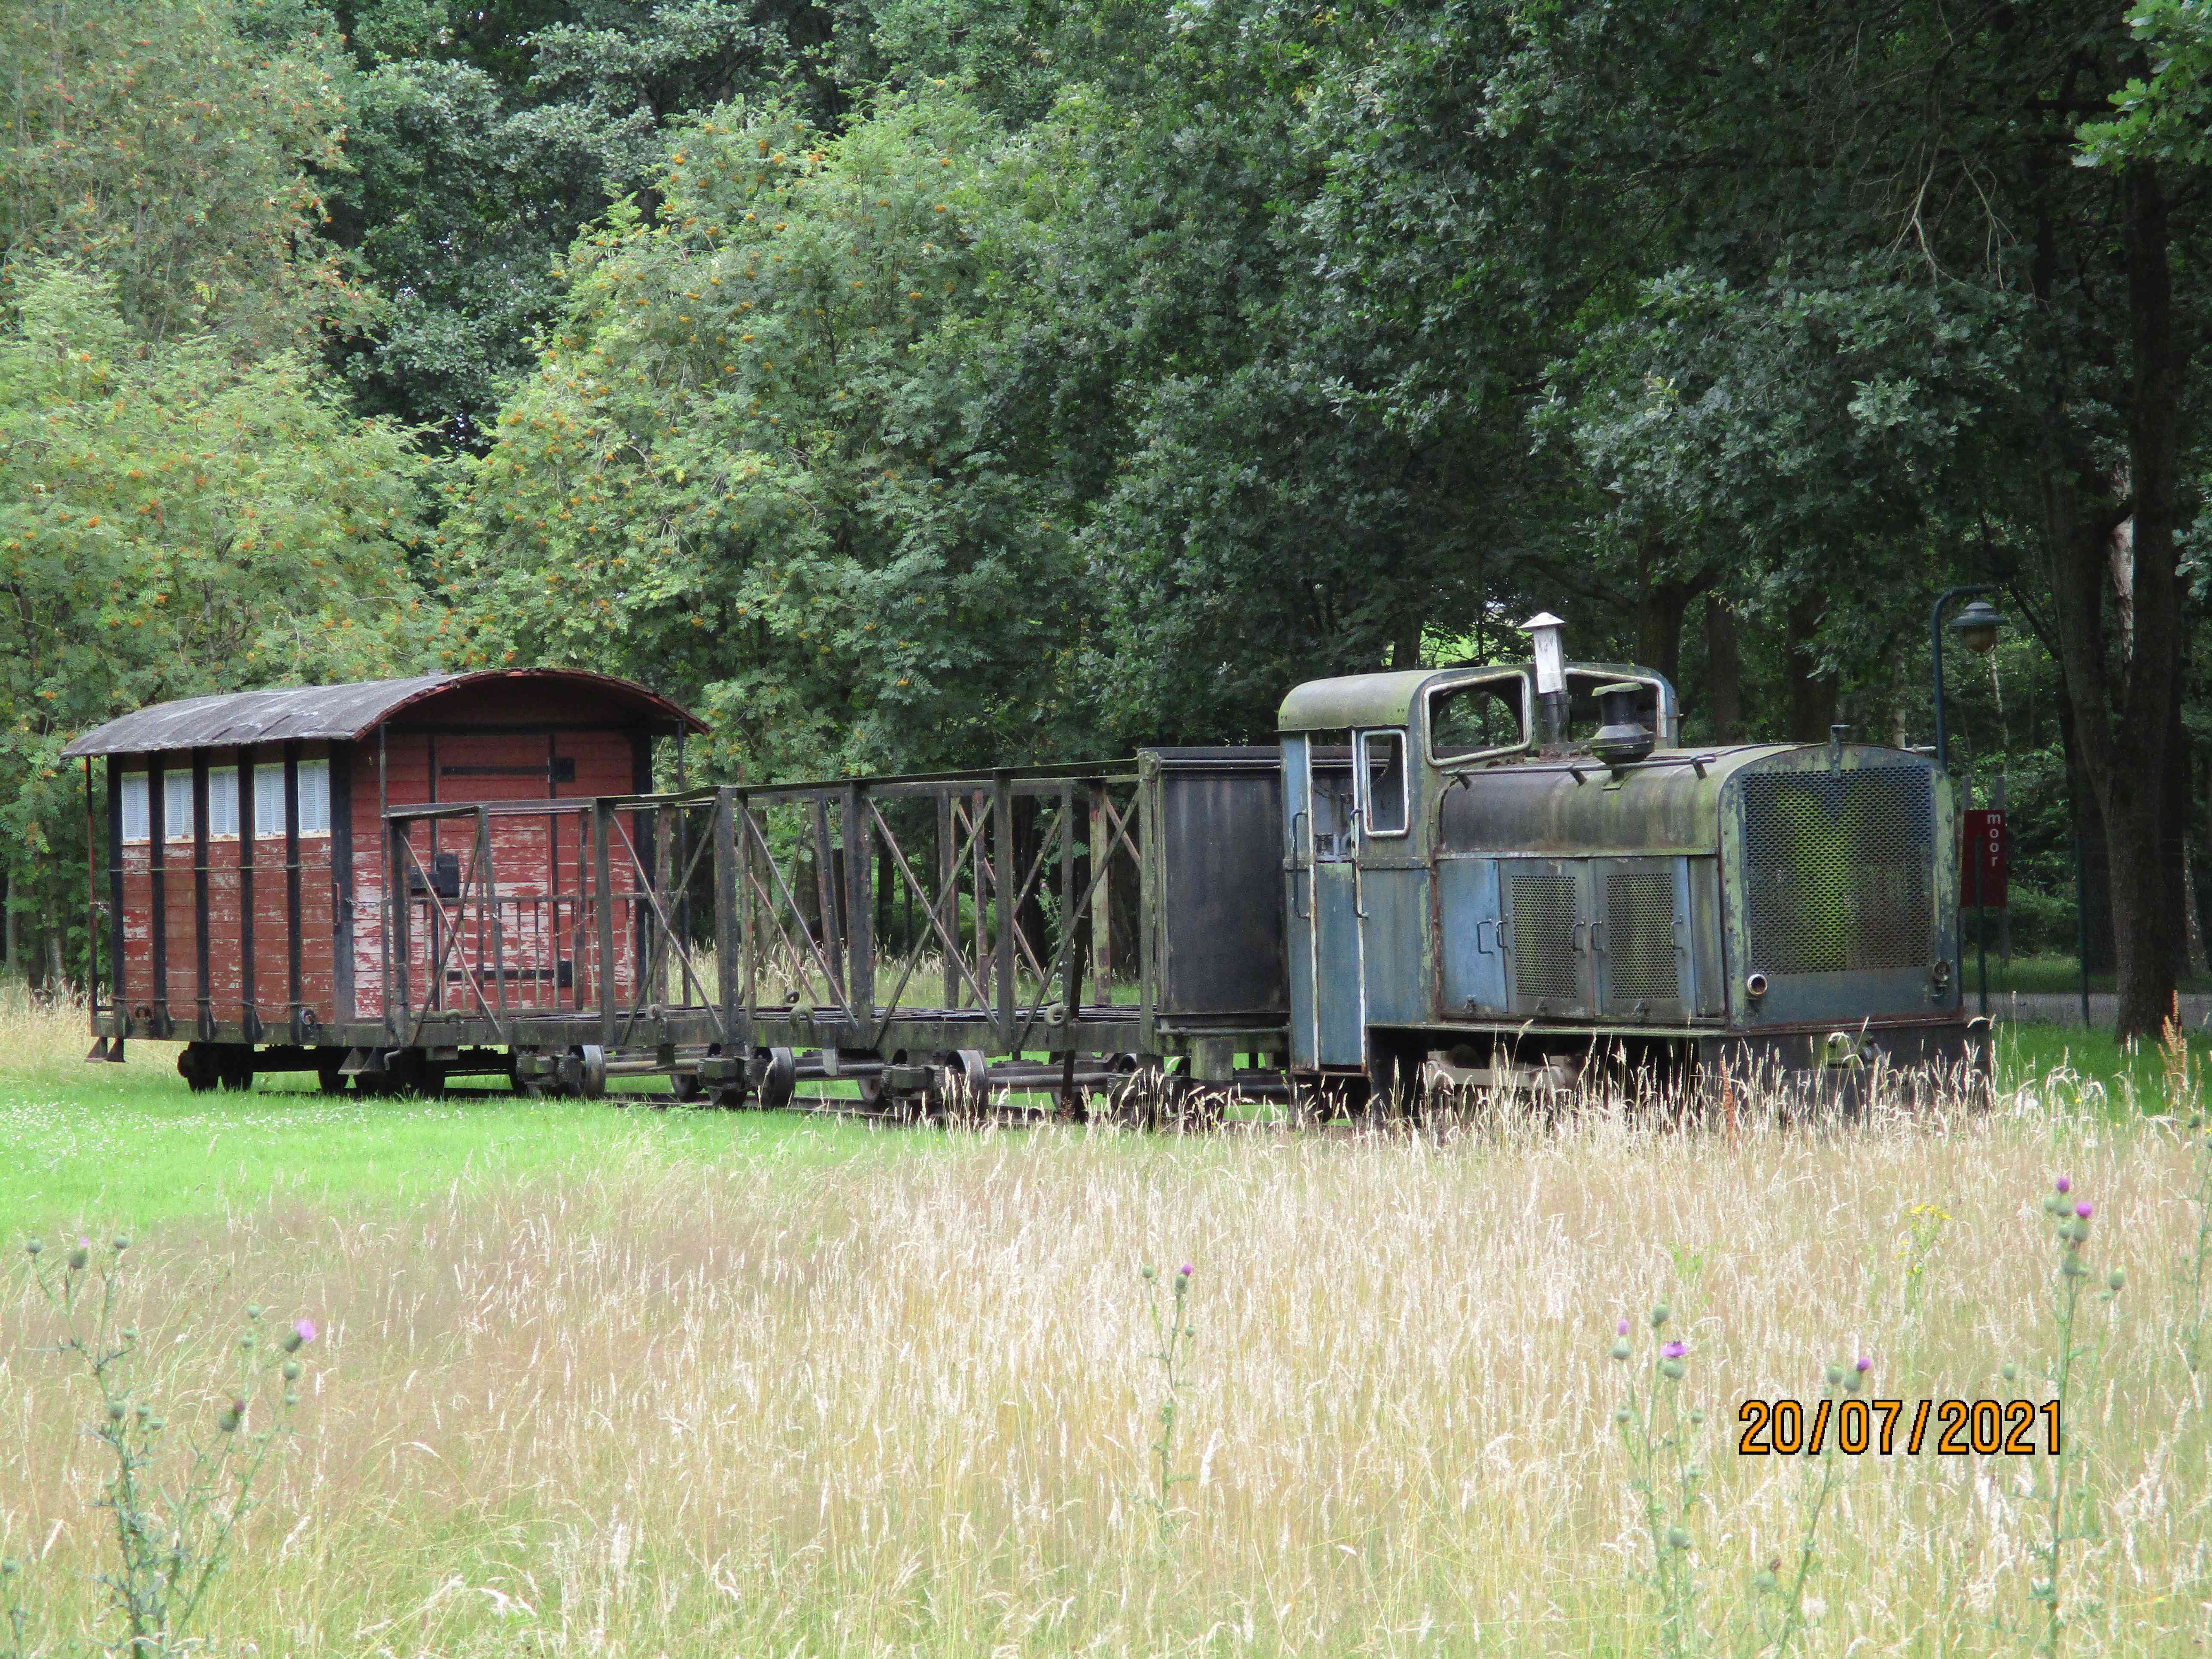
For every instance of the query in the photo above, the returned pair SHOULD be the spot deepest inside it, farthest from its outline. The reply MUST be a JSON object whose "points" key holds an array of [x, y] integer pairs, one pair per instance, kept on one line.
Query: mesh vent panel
{"points": [[1837, 868], [1544, 917], [1640, 937]]}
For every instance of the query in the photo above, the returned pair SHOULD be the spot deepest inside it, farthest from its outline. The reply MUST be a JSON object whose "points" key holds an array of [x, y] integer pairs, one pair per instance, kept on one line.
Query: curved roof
{"points": [[1388, 698], [334, 712]]}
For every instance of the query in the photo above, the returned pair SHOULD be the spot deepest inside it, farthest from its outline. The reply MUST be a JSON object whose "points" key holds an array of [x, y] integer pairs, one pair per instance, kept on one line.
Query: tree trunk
{"points": [[2180, 797], [2096, 893], [1723, 671], [1661, 601], [2124, 710], [1812, 693], [1406, 645]]}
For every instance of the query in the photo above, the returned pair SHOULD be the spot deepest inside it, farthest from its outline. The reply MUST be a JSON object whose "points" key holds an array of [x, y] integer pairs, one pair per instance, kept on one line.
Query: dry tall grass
{"points": [[905, 1408], [36, 1032]]}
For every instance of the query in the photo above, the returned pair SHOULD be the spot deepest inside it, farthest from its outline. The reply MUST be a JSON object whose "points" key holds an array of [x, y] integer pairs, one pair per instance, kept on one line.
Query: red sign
{"points": [[1987, 862]]}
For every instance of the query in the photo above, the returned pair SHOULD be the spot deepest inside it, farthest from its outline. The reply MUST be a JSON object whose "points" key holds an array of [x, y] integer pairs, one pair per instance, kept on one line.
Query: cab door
{"points": [[1328, 1021]]}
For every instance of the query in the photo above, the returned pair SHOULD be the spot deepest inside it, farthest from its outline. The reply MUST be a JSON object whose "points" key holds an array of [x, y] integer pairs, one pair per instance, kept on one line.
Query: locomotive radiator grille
{"points": [[1837, 869], [1545, 913], [1639, 927]]}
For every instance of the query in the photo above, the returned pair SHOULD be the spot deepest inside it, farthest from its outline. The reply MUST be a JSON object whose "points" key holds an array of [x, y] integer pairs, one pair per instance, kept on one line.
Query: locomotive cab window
{"points": [[1486, 717], [1383, 779], [1329, 774]]}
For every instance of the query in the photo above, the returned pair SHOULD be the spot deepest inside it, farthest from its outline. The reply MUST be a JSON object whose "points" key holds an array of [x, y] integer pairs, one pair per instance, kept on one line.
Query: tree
{"points": [[485, 137], [175, 524], [771, 454], [165, 145]]}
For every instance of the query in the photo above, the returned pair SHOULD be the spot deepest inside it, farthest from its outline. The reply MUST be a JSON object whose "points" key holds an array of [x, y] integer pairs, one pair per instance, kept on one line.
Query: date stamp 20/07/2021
{"points": [[1982, 1428]]}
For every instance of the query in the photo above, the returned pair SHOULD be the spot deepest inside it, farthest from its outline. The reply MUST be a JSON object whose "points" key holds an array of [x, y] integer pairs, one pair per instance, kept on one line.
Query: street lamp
{"points": [[1977, 627]]}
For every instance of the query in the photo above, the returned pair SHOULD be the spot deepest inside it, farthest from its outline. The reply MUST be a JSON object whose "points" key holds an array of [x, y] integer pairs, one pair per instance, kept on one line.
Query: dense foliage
{"points": [[915, 382]]}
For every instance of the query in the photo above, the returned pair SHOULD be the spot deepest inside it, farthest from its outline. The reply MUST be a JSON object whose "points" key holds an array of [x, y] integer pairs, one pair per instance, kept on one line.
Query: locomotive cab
{"points": [[1477, 874]]}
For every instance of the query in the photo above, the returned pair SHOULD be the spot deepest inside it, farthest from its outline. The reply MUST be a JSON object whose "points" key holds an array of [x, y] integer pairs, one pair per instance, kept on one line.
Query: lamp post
{"points": [[1977, 627]]}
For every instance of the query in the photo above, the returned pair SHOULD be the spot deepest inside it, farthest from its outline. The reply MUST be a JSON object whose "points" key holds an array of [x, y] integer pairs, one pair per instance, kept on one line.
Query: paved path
{"points": [[2046, 1008]]}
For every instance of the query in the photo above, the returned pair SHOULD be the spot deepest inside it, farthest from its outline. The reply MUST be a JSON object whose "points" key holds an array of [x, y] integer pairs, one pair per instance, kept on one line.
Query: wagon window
{"points": [[136, 826], [176, 806], [222, 803], [315, 798], [268, 801], [1384, 774]]}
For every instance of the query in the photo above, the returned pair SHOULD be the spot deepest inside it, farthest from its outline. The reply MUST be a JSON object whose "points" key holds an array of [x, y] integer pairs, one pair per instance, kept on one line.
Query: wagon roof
{"points": [[336, 712]]}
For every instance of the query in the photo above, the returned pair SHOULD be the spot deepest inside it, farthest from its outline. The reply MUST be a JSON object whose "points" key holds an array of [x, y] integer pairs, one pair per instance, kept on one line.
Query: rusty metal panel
{"points": [[1213, 875], [1841, 875]]}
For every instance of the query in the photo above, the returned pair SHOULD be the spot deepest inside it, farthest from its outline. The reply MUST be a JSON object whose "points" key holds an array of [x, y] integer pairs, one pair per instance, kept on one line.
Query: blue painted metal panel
{"points": [[1300, 936], [1473, 967], [1396, 901], [1337, 988]]}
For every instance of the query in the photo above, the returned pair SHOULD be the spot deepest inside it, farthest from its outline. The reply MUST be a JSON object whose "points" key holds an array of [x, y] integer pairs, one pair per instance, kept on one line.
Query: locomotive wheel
{"points": [[1394, 1081]]}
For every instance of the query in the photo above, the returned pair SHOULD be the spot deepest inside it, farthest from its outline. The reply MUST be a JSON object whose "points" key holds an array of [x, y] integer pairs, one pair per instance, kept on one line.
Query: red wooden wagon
{"points": [[260, 903]]}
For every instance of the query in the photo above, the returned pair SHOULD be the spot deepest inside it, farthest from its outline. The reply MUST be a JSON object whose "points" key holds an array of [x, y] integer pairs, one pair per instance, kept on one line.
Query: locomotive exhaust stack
{"points": [[1623, 740], [1546, 637]]}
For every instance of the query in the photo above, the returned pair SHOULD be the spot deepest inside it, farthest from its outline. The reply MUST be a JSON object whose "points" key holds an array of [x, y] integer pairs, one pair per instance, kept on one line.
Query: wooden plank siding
{"points": [[501, 740]]}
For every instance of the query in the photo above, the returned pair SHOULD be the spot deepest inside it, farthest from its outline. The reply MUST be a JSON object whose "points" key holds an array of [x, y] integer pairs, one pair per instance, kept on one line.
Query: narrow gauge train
{"points": [[1504, 872]]}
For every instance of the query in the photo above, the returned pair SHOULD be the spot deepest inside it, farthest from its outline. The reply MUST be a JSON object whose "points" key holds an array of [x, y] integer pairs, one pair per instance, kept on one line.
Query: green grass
{"points": [[2048, 977], [130, 1145], [2134, 1080]]}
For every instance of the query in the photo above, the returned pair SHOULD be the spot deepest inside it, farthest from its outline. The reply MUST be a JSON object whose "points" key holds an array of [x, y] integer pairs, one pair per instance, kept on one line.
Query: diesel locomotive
{"points": [[1498, 875]]}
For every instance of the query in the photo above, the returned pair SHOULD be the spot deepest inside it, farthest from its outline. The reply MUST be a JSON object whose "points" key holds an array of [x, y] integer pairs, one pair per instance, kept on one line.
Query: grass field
{"points": [[595, 1381]]}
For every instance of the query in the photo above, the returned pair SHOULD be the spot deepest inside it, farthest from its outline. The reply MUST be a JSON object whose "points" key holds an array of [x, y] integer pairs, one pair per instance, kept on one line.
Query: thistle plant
{"points": [[1175, 1336], [2182, 1101], [178, 1494], [1787, 1617], [2192, 1273], [2070, 1229], [1915, 1247], [1658, 1433]]}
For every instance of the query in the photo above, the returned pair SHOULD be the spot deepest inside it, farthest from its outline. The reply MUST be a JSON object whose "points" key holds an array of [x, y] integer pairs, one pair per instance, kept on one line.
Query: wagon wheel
{"points": [[585, 1071], [963, 1092], [411, 1072], [1135, 1102], [776, 1074], [529, 1088], [1189, 1105], [196, 1064], [235, 1070], [686, 1087]]}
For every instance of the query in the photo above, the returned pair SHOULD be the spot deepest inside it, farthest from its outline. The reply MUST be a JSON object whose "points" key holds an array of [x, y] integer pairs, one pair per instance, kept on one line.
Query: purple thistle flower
{"points": [[305, 1330], [2063, 1184], [1674, 1350], [1184, 1270], [1621, 1330], [2085, 1209], [1865, 1363]]}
